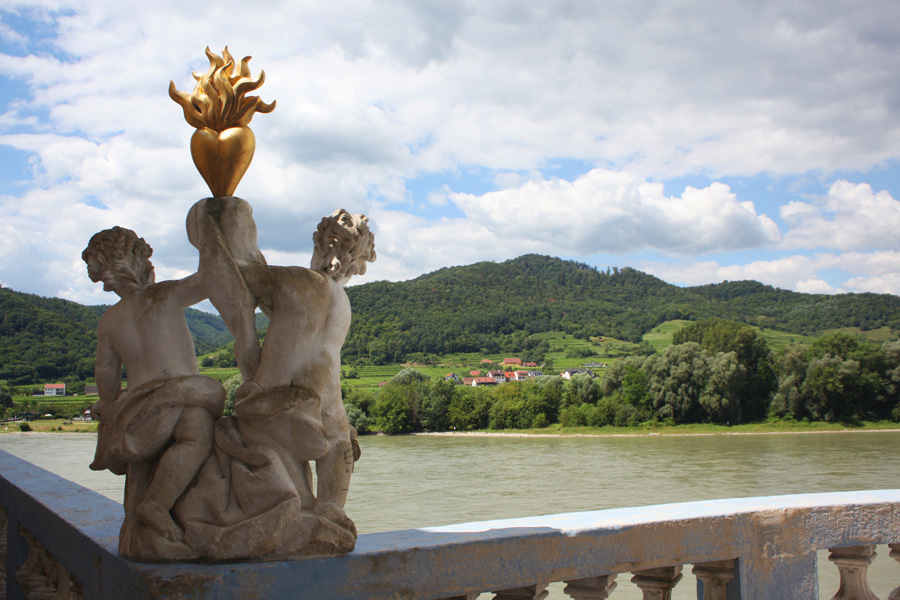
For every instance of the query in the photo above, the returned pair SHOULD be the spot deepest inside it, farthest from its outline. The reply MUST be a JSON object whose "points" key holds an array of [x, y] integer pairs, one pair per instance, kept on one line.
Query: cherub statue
{"points": [[294, 401], [166, 414]]}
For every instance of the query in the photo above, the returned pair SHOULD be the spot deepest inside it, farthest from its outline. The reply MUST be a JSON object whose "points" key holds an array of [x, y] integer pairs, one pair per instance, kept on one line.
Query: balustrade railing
{"points": [[61, 539]]}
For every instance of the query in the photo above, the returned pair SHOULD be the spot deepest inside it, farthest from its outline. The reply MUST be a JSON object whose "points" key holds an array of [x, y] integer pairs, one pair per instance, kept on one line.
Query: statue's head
{"points": [[343, 245], [120, 259]]}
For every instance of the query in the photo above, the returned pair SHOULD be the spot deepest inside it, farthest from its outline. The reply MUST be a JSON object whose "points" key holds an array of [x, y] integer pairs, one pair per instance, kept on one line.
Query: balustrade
{"points": [[61, 541]]}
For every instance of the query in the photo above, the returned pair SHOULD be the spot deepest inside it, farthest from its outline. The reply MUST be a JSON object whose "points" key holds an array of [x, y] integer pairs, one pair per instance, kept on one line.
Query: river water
{"points": [[414, 481]]}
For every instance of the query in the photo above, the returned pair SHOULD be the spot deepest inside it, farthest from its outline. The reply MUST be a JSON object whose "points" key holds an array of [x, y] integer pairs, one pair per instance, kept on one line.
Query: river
{"points": [[413, 481]]}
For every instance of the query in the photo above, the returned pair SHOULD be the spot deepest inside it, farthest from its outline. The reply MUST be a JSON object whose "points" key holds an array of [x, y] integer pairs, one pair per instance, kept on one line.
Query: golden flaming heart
{"points": [[223, 158], [220, 109]]}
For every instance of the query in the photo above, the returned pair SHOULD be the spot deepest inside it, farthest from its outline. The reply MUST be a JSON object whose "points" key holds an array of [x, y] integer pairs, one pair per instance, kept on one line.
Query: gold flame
{"points": [[219, 99]]}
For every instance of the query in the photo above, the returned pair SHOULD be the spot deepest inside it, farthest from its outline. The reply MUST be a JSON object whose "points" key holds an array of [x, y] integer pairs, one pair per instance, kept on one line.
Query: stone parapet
{"points": [[769, 543]]}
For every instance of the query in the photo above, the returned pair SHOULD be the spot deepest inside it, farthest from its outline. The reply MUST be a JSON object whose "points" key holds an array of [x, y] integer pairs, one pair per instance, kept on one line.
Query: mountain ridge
{"points": [[483, 307]]}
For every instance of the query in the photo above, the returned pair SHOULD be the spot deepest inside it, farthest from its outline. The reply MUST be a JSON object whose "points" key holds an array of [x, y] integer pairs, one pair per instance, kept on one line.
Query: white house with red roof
{"points": [[54, 389]]}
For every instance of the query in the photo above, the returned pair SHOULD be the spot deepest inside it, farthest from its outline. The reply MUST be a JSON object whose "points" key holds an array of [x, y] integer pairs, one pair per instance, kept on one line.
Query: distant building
{"points": [[512, 361], [451, 377], [91, 389], [567, 374], [54, 389], [475, 373], [468, 381], [529, 364], [486, 361], [595, 365], [498, 376], [477, 381]]}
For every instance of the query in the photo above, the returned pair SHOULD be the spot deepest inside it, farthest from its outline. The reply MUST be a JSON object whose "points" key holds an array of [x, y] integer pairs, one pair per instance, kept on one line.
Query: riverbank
{"points": [[60, 426], [50, 426], [683, 430]]}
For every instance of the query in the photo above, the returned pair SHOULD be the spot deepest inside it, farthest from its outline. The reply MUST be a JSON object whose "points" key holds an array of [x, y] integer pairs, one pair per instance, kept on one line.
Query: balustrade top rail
{"points": [[774, 540]]}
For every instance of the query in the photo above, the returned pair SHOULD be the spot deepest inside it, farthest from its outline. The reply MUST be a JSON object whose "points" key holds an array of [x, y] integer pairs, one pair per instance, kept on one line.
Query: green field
{"points": [[660, 337]]}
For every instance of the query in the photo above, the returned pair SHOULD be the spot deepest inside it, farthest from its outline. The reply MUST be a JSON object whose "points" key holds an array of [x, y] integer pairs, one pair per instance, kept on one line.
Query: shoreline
{"points": [[516, 434], [523, 434]]}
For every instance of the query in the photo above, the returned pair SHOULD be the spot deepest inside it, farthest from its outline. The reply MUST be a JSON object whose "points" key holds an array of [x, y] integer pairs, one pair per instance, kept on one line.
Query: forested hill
{"points": [[52, 339], [494, 307], [486, 307]]}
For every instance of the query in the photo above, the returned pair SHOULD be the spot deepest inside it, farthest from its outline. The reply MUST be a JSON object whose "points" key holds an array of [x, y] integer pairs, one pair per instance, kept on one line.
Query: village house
{"points": [[568, 373], [451, 377], [477, 381], [498, 376], [512, 361], [54, 389]]}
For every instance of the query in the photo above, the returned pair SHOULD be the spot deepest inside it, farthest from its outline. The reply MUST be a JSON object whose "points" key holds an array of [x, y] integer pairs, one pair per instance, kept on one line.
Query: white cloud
{"points": [[607, 211], [877, 272], [850, 217], [371, 93]]}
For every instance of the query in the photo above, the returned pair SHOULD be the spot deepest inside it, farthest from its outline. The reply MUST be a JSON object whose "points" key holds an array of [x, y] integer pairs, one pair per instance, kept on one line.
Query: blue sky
{"points": [[697, 141]]}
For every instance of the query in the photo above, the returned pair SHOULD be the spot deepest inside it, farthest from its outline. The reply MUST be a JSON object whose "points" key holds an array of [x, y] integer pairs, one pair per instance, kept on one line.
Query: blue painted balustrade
{"points": [[771, 543]]}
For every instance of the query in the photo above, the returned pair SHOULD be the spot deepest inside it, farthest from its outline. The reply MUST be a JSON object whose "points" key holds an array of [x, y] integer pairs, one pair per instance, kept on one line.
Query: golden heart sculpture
{"points": [[223, 157]]}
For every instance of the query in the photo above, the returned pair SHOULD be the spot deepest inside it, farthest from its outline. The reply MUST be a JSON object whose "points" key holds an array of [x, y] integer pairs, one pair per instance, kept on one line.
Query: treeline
{"points": [[493, 307], [717, 371]]}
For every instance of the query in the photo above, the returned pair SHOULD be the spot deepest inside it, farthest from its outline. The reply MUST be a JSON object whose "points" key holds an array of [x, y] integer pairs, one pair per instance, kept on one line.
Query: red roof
{"points": [[54, 386], [512, 361]]}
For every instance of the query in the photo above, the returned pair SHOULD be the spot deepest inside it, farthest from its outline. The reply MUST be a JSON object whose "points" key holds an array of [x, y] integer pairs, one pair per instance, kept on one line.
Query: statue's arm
{"points": [[189, 291], [108, 373]]}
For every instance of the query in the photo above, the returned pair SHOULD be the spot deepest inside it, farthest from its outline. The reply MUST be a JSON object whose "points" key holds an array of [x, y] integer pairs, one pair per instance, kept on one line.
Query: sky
{"points": [[696, 141]]}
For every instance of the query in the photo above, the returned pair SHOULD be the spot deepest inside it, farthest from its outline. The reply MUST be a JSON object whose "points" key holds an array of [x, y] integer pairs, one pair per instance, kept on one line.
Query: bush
{"points": [[572, 416], [24, 426]]}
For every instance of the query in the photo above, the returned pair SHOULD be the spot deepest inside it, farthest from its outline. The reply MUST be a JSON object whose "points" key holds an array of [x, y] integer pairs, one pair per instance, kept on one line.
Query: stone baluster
{"points": [[895, 554], [42, 576], [715, 577], [853, 564], [537, 591], [657, 584], [591, 588]]}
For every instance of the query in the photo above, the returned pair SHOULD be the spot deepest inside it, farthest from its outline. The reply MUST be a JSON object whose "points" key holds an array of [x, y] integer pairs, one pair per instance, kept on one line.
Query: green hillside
{"points": [[488, 309], [499, 307], [43, 339]]}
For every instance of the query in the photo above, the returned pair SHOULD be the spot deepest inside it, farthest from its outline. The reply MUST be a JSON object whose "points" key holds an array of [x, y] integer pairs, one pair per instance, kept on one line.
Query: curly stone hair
{"points": [[121, 251], [344, 244]]}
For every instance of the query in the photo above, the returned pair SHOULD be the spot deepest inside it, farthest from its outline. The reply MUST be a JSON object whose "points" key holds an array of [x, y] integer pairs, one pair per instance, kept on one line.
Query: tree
{"points": [[721, 395], [582, 389], [6, 400], [758, 379], [676, 382], [394, 411], [231, 385], [469, 409]]}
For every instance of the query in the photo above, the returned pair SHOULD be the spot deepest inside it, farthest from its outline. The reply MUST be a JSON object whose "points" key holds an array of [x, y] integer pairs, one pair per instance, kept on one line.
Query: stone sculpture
{"points": [[200, 485]]}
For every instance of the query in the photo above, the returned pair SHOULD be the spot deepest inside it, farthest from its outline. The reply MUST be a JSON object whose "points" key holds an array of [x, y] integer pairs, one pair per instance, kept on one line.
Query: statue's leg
{"points": [[177, 467], [333, 473]]}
